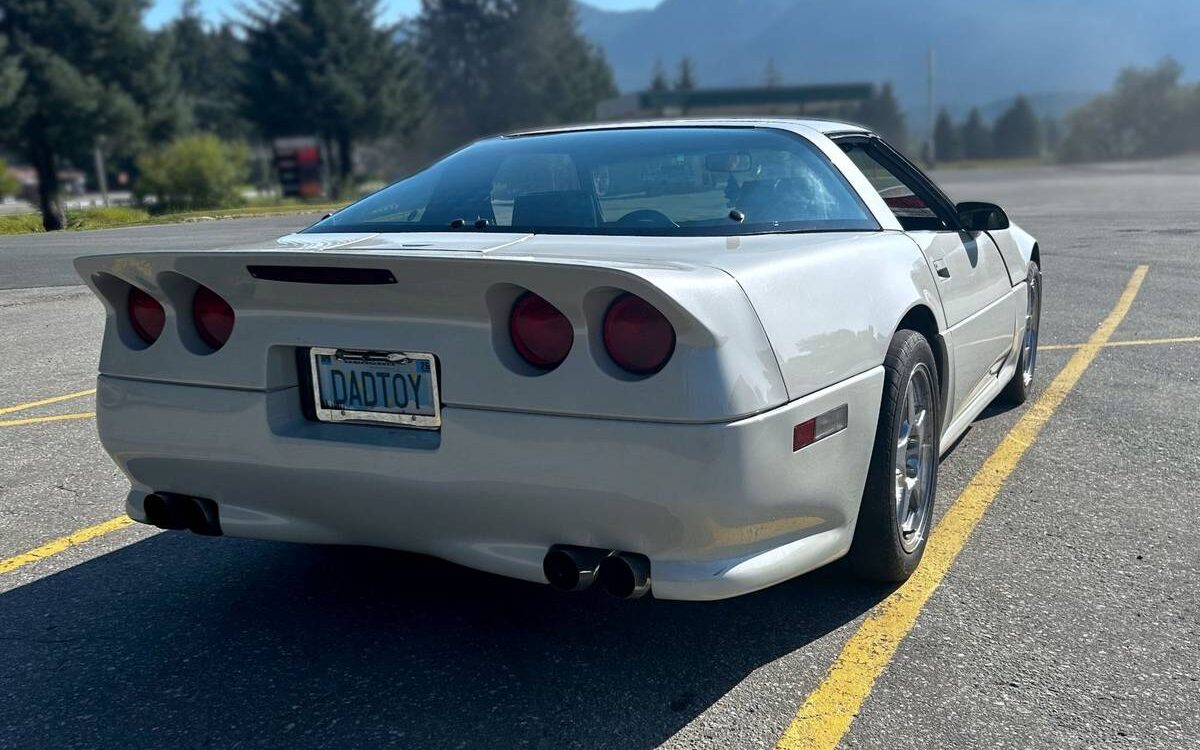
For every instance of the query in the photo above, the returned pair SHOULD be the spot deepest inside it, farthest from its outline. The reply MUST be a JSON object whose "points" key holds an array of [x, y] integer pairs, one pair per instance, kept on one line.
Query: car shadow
{"points": [[183, 641], [991, 411], [958, 441], [995, 409]]}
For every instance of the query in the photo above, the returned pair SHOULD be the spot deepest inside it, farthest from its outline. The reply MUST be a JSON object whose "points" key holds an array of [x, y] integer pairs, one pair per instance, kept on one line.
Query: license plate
{"points": [[396, 388]]}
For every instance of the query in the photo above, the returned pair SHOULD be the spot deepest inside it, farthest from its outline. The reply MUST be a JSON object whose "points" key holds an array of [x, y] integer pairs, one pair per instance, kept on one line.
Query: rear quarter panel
{"points": [[830, 306]]}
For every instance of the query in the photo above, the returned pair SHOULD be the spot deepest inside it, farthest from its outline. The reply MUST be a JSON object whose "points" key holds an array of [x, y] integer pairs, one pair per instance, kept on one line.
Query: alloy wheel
{"points": [[914, 461]]}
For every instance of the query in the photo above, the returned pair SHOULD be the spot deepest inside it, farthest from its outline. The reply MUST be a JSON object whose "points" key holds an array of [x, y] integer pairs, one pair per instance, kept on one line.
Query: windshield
{"points": [[637, 181]]}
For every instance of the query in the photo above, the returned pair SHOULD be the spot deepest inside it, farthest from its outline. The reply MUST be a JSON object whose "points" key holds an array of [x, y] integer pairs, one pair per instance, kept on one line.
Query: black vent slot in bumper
{"points": [[322, 275]]}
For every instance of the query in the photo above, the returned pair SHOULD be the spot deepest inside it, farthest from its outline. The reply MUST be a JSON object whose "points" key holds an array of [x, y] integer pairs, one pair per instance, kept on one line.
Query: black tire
{"points": [[1020, 387], [878, 551]]}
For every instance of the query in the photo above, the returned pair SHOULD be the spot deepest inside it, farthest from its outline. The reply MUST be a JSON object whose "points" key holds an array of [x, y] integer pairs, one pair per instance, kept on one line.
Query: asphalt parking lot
{"points": [[1059, 608]]}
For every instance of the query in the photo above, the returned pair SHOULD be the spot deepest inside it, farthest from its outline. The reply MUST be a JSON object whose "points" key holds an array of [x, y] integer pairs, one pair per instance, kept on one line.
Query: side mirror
{"points": [[981, 217]]}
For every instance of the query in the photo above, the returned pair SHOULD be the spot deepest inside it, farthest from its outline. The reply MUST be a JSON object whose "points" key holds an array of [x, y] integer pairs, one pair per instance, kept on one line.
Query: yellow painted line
{"points": [[1136, 342], [40, 420], [828, 711], [46, 401], [64, 543]]}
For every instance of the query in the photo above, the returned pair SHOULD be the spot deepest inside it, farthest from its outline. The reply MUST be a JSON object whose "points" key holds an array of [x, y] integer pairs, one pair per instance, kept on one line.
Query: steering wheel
{"points": [[646, 217]]}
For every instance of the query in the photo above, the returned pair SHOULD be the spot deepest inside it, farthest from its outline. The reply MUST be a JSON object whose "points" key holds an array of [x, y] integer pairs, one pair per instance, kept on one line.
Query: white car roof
{"points": [[821, 126]]}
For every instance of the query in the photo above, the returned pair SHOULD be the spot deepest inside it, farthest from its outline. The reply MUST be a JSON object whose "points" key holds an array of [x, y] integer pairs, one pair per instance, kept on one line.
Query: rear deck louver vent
{"points": [[322, 275]]}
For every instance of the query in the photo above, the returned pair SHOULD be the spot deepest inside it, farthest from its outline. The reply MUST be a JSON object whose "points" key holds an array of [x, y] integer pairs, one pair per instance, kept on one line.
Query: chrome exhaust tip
{"points": [[569, 568], [625, 575]]}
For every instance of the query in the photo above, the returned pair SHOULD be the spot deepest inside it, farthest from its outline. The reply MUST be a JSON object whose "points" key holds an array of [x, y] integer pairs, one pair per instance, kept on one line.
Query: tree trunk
{"points": [[328, 157], [46, 166], [345, 165]]}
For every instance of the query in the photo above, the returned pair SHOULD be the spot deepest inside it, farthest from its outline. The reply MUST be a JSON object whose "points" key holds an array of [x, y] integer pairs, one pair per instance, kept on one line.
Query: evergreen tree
{"points": [[209, 63], [1051, 134], [686, 81], [1149, 114], [771, 77], [327, 67], [658, 80], [11, 78], [881, 112], [976, 136], [497, 65], [946, 140], [91, 73], [1017, 132]]}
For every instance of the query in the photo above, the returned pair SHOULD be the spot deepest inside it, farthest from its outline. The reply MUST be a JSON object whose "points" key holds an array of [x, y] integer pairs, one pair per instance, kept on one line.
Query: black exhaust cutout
{"points": [[625, 575], [570, 568], [202, 517], [164, 511]]}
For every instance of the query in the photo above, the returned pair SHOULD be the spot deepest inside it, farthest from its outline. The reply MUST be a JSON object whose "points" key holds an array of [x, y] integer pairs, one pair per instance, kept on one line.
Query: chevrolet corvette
{"points": [[694, 358]]}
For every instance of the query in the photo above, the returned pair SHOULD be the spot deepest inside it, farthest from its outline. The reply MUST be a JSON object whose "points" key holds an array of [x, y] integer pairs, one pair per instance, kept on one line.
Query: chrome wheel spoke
{"points": [[919, 420], [914, 459], [1033, 314]]}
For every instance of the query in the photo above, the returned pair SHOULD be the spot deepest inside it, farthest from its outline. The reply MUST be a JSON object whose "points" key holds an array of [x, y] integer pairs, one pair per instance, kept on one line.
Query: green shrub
{"points": [[9, 184], [194, 172]]}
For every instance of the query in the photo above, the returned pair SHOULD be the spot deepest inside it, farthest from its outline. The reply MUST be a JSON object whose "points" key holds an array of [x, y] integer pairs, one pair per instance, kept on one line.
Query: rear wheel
{"points": [[1018, 389], [897, 506]]}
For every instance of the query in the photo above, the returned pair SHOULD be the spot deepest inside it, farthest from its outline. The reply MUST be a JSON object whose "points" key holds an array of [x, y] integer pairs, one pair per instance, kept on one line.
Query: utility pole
{"points": [[932, 113], [101, 178]]}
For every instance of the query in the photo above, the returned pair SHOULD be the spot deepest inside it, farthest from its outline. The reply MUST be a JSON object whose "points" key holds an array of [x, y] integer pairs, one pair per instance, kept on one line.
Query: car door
{"points": [[972, 278]]}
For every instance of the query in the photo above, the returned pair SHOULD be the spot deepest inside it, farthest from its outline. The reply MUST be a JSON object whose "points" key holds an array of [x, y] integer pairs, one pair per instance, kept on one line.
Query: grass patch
{"points": [[20, 223], [252, 209], [88, 218], [113, 216], [121, 216]]}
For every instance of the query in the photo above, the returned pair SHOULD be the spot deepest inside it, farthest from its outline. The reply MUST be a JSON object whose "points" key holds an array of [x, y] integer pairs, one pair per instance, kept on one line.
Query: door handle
{"points": [[942, 270]]}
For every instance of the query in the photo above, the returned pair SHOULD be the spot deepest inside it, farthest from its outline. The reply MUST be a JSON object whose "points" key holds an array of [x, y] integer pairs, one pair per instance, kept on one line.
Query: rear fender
{"points": [[830, 309]]}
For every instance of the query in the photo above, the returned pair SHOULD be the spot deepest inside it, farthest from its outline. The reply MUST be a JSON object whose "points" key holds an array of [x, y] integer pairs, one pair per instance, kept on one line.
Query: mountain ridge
{"points": [[984, 53]]}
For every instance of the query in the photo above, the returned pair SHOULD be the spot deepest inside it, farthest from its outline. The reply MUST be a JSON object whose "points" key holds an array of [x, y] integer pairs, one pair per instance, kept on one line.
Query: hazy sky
{"points": [[164, 10]]}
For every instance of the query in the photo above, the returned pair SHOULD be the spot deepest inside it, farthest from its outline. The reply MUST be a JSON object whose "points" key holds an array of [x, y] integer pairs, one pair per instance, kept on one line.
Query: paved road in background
{"points": [[1071, 618], [39, 260]]}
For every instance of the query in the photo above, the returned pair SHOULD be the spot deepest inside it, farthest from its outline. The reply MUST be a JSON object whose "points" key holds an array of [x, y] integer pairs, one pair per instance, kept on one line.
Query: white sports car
{"points": [[696, 357]]}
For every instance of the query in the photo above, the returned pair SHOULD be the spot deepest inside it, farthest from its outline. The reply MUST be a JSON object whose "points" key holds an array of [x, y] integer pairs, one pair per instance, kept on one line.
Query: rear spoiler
{"points": [[455, 306]]}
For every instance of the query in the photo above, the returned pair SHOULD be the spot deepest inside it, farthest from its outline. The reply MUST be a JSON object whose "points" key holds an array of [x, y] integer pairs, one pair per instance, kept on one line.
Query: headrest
{"points": [[561, 208]]}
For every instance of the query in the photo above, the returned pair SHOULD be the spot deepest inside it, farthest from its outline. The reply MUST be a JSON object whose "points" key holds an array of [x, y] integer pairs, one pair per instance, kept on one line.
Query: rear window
{"points": [[637, 181]]}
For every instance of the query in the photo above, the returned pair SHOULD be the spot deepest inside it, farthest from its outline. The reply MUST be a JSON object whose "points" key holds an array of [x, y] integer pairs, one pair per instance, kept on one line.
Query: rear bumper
{"points": [[720, 509]]}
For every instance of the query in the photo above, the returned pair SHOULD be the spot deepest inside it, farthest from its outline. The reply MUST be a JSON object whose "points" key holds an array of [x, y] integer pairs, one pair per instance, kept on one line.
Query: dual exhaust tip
{"points": [[625, 575], [166, 510]]}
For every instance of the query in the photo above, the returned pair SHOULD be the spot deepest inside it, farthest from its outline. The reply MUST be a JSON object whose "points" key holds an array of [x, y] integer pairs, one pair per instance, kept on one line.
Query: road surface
{"points": [[1068, 619]]}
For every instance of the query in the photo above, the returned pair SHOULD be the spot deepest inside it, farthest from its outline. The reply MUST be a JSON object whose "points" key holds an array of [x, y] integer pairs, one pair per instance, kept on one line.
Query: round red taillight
{"points": [[213, 317], [541, 334], [637, 336], [146, 315]]}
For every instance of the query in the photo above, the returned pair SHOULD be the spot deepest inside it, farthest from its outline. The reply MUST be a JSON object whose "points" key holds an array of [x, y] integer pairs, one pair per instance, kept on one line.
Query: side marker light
{"points": [[820, 427]]}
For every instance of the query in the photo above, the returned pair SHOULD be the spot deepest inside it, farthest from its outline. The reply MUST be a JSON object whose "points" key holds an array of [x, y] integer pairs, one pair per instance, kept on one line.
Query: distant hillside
{"points": [[986, 52]]}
